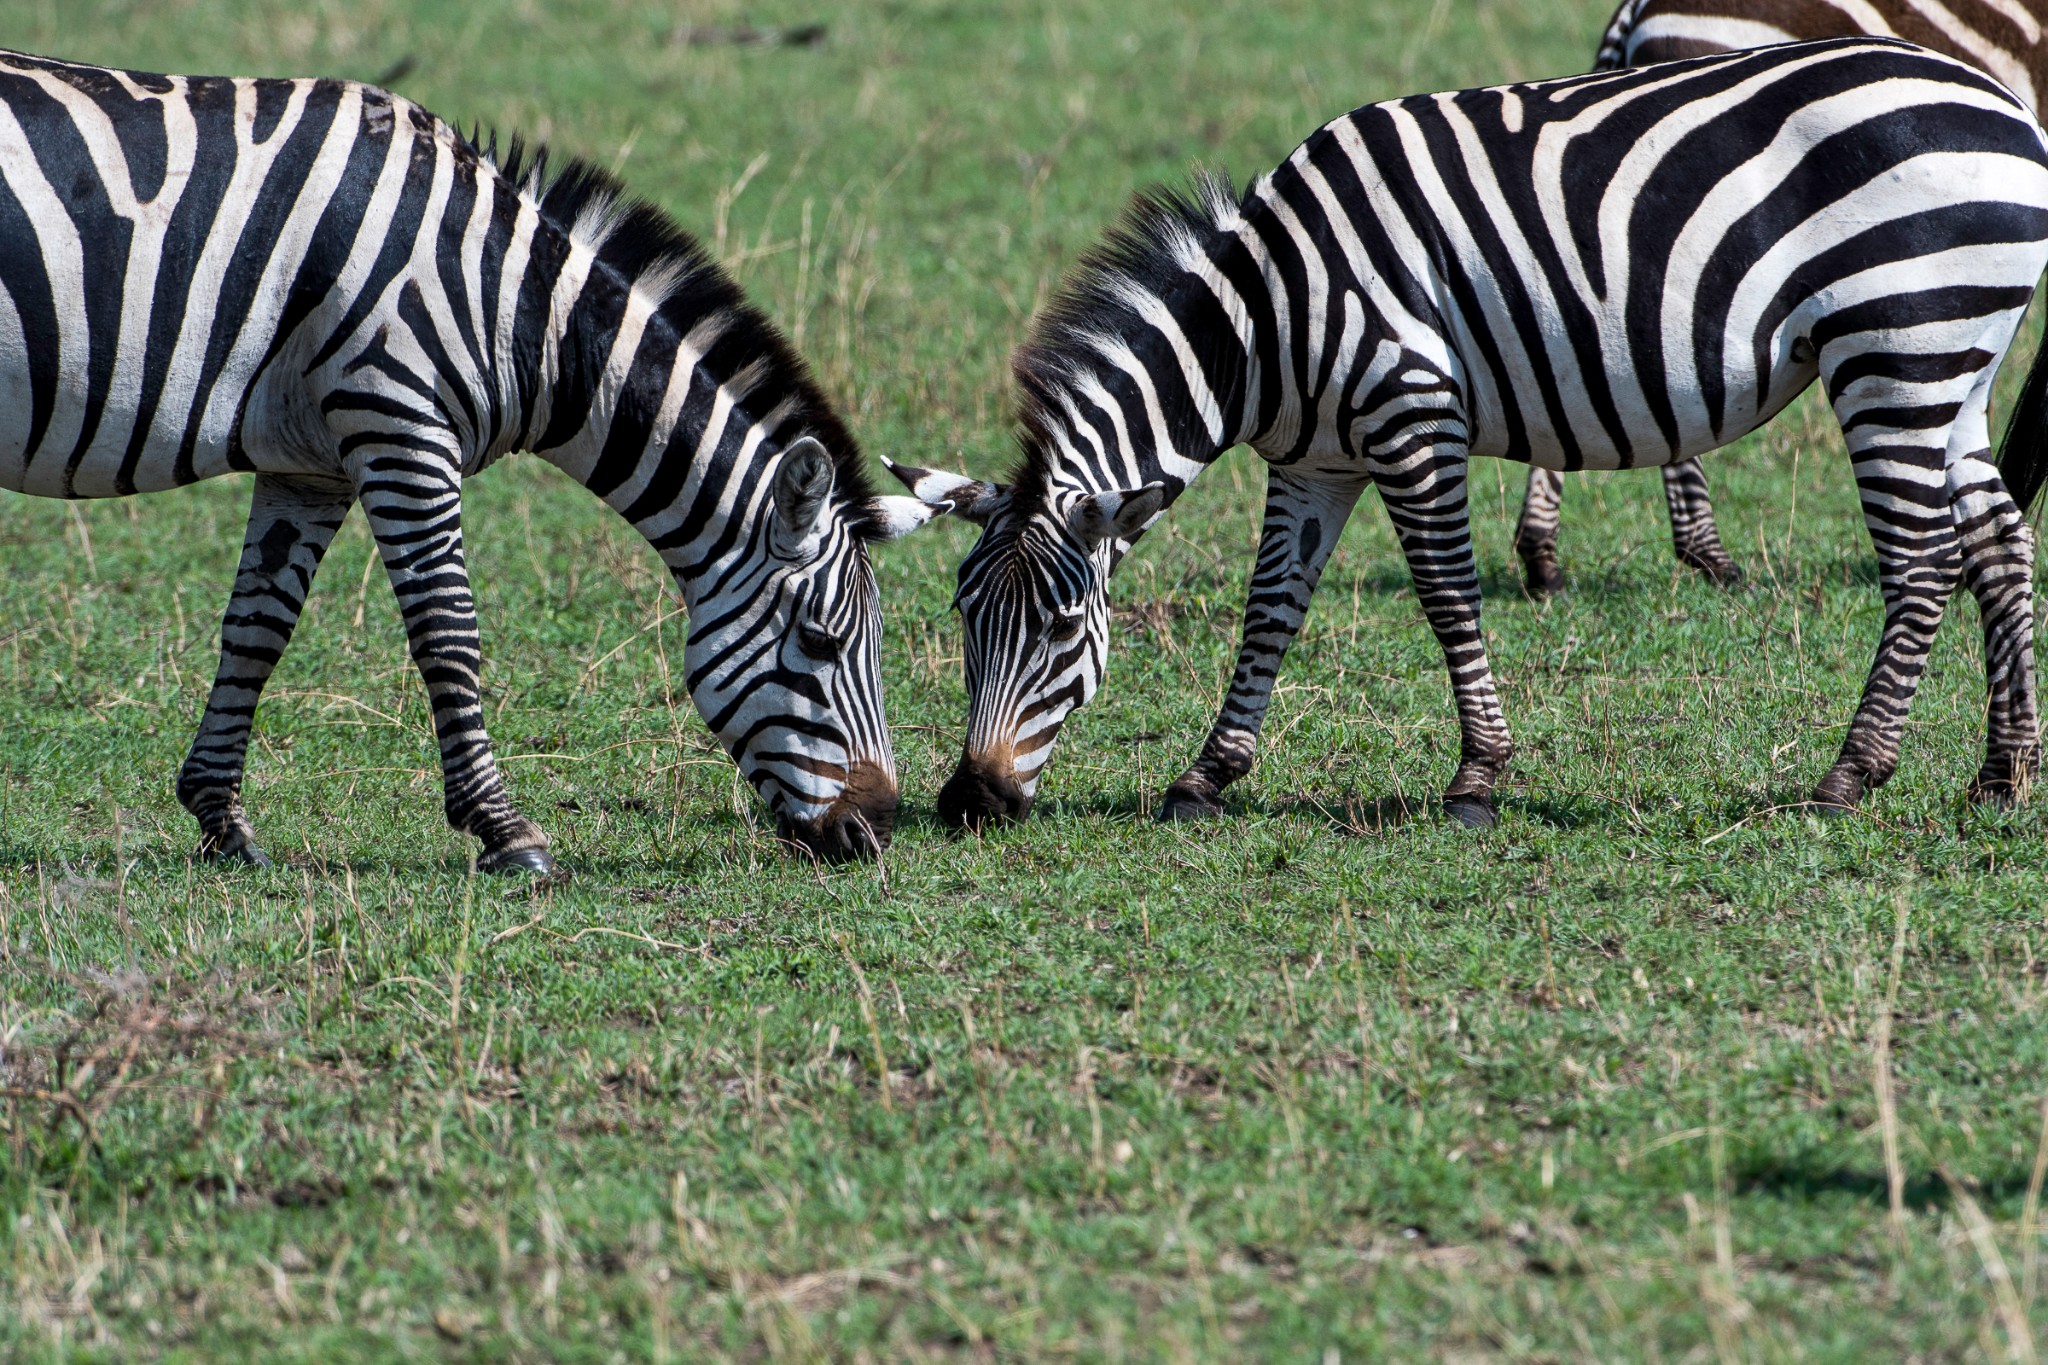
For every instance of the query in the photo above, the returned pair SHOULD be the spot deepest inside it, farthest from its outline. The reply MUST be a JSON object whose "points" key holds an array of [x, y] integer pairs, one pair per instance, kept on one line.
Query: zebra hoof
{"points": [[239, 851], [2000, 793], [1473, 812], [1836, 796], [1542, 575], [533, 862], [1188, 804], [1719, 569], [2003, 782]]}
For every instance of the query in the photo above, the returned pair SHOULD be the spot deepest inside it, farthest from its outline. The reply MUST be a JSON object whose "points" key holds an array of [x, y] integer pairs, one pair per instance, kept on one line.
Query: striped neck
{"points": [[1148, 383], [668, 396], [664, 433]]}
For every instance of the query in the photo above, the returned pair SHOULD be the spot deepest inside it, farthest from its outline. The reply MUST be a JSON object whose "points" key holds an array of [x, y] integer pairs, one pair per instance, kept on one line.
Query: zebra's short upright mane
{"points": [[1164, 233], [644, 244]]}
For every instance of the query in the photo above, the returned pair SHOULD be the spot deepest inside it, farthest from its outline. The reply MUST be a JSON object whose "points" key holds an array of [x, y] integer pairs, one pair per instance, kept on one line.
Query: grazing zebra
{"points": [[2001, 36], [1601, 272], [322, 284]]}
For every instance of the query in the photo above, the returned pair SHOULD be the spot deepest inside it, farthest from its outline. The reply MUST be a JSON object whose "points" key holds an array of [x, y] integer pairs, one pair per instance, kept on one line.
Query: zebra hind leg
{"points": [[413, 502], [1536, 531], [1902, 478], [1694, 537], [1998, 569], [1304, 519], [291, 524]]}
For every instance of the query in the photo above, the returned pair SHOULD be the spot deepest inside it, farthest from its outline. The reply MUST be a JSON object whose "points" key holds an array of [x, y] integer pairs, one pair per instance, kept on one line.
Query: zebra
{"points": [[319, 283], [2001, 36], [1603, 271]]}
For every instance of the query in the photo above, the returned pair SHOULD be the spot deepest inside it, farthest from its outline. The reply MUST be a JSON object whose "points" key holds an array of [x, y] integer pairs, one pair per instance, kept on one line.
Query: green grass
{"points": [[1603, 1083]]}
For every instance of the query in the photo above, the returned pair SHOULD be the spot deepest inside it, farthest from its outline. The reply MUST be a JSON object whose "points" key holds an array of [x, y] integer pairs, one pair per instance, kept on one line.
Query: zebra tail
{"points": [[2023, 453]]}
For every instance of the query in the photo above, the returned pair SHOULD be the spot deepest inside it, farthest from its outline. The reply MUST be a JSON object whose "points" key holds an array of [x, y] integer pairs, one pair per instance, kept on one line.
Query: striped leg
{"points": [[1998, 568], [1304, 518], [1694, 536], [1425, 496], [1902, 476], [413, 502], [291, 524], [1536, 532]]}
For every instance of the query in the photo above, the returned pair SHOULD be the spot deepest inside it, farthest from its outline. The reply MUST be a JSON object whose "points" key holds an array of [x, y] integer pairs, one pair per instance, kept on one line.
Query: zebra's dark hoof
{"points": [[1722, 571], [1837, 795], [1999, 793], [238, 851], [1188, 803], [2004, 781], [1541, 573], [534, 862], [1473, 812]]}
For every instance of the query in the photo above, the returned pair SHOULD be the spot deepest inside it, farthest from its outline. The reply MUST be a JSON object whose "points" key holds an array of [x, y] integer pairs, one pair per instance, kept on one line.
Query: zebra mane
{"points": [[1163, 235], [644, 244]]}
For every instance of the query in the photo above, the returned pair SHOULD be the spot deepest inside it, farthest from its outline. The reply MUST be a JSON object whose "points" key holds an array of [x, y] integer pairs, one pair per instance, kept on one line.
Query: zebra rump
{"points": [[2001, 37]]}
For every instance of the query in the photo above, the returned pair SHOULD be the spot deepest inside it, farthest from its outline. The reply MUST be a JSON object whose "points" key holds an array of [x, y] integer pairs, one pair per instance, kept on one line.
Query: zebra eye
{"points": [[816, 644], [1064, 627]]}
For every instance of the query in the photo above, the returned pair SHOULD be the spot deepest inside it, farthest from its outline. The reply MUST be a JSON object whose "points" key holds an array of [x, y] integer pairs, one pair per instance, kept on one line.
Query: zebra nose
{"points": [[980, 793], [857, 825]]}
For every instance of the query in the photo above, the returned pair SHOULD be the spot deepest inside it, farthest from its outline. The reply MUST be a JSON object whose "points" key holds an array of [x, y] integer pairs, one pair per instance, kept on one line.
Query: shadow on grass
{"points": [[1797, 1181], [1628, 578]]}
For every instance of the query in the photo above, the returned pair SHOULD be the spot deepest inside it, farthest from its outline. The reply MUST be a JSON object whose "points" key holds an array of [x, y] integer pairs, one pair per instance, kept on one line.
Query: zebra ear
{"points": [[898, 517], [969, 499], [1121, 514], [802, 483]]}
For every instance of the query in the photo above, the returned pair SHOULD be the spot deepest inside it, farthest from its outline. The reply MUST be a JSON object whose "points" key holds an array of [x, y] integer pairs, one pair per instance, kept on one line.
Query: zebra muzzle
{"points": [[859, 824], [980, 793]]}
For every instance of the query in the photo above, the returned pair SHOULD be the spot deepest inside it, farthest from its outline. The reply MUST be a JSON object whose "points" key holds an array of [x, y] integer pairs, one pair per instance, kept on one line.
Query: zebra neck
{"points": [[1155, 400], [669, 440]]}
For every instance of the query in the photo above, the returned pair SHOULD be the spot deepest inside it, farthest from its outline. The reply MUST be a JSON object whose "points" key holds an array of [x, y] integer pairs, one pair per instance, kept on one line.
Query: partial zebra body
{"points": [[1601, 272], [321, 283], [2002, 37]]}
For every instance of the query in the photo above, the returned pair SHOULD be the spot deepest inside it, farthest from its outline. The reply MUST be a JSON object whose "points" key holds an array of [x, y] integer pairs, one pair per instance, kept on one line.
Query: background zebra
{"points": [[323, 284], [1598, 272], [2001, 36]]}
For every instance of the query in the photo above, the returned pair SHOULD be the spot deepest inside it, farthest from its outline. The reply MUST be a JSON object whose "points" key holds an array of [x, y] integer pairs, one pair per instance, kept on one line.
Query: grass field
{"points": [[1650, 1071]]}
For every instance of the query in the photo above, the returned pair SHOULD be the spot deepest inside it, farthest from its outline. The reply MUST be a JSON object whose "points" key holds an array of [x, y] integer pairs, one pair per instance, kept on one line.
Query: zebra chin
{"points": [[858, 824]]}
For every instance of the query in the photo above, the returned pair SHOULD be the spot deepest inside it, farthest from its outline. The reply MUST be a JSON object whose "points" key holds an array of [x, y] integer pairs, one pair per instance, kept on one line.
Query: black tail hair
{"points": [[2023, 453]]}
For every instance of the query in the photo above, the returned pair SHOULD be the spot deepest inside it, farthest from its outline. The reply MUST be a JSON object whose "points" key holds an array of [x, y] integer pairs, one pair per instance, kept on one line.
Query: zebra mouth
{"points": [[979, 795], [859, 824]]}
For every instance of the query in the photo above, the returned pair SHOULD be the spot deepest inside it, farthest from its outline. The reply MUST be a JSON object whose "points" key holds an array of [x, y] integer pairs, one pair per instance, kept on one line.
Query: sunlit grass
{"points": [[1603, 1083]]}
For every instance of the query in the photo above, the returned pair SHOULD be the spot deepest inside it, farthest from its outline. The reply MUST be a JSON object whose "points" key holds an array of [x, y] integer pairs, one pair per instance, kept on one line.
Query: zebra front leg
{"points": [[1536, 532], [1694, 537], [413, 502], [1998, 569], [1425, 497], [1304, 518], [291, 524]]}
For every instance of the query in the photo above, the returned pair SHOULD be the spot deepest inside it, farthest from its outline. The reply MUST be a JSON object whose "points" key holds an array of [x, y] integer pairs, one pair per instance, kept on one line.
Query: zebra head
{"points": [[1034, 613], [784, 658]]}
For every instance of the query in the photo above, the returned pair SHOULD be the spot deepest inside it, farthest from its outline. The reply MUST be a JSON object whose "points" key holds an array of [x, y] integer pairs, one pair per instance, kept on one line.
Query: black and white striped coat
{"points": [[2002, 37], [321, 283], [1600, 272]]}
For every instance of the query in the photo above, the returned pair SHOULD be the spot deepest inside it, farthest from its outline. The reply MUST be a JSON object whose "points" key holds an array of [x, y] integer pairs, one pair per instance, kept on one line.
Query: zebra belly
{"points": [[275, 428], [1643, 440]]}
